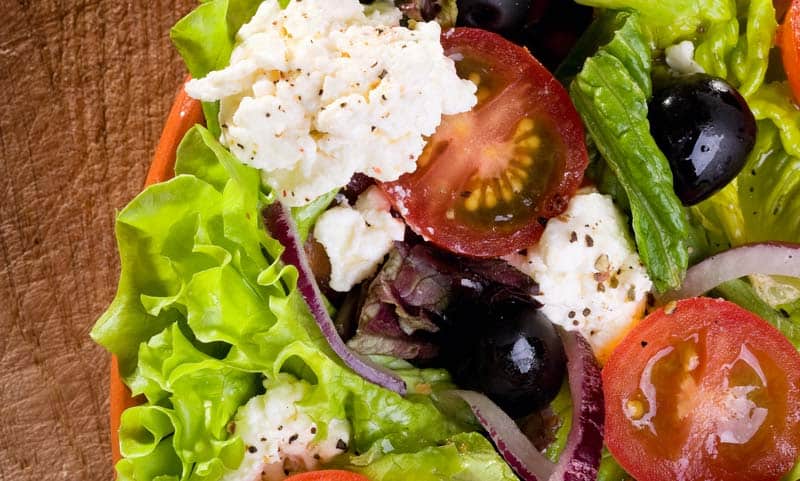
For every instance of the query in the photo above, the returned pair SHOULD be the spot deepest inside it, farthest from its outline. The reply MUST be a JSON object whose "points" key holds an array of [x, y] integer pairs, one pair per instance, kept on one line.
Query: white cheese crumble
{"points": [[357, 240], [680, 58], [589, 273], [321, 90], [280, 438]]}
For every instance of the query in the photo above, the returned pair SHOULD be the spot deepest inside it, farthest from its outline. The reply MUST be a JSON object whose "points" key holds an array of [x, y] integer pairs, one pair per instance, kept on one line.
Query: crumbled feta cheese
{"points": [[280, 438], [321, 90], [357, 240], [589, 274], [680, 58]]}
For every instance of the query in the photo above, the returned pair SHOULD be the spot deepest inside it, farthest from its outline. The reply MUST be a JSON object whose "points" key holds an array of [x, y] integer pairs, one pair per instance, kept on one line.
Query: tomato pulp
{"points": [[789, 39], [489, 179], [700, 390]]}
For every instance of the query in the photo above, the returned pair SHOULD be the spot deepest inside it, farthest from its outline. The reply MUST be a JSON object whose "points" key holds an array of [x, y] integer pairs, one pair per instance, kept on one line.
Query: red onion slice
{"points": [[769, 258], [280, 224], [581, 457], [517, 450]]}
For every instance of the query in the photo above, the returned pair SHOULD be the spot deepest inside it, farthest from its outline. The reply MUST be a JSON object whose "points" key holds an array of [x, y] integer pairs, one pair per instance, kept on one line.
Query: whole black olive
{"points": [[502, 16], [512, 353], [705, 129]]}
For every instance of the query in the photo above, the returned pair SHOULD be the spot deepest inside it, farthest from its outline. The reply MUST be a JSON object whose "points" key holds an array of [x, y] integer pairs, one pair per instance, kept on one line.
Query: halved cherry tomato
{"points": [[703, 390], [489, 179], [327, 475], [789, 40]]}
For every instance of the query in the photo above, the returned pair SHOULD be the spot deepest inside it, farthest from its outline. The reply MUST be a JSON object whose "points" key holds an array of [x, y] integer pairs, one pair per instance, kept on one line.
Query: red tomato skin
{"points": [[424, 209], [789, 39], [327, 475], [772, 450]]}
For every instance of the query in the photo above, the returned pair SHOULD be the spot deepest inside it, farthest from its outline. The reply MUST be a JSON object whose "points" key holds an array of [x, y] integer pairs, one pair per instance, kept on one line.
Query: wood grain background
{"points": [[86, 86]]}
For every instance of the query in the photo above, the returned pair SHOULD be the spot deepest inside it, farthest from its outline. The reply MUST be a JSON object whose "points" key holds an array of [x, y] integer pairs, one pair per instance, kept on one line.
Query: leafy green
{"points": [[763, 203], [742, 293], [611, 93], [205, 39], [465, 457], [773, 102], [733, 38], [737, 48], [671, 20], [205, 311], [599, 33]]}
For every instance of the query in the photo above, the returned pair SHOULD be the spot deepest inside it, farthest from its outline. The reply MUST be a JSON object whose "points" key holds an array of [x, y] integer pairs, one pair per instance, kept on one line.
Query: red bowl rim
{"points": [[185, 113]]}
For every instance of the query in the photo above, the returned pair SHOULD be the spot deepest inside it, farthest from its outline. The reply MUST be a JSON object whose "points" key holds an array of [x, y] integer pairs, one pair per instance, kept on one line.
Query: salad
{"points": [[401, 247]]}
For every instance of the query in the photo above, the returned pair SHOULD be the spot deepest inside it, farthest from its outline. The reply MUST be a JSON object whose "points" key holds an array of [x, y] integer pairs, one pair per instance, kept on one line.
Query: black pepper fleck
{"points": [[573, 236], [252, 449], [340, 444], [589, 240], [643, 343], [586, 311], [293, 438], [571, 314], [313, 430]]}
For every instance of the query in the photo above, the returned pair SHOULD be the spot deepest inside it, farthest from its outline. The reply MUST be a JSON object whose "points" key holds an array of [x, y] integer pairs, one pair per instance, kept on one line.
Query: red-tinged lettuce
{"points": [[408, 299]]}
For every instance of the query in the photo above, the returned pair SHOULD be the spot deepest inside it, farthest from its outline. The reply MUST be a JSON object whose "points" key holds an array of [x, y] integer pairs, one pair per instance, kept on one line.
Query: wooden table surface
{"points": [[86, 86]]}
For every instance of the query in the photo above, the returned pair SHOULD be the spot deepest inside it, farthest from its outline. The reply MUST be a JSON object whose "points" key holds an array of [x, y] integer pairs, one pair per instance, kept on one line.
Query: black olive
{"points": [[705, 129], [502, 16], [512, 353]]}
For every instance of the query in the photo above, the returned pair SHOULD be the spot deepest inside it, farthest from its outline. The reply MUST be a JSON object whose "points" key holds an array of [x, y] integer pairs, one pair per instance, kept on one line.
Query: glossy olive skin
{"points": [[502, 16], [705, 129], [512, 353]]}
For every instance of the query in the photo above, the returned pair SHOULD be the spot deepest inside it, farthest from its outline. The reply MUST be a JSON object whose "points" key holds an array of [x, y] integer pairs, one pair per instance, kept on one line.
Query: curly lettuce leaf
{"points": [[205, 311], [773, 102], [671, 20], [465, 457], [733, 38], [762, 203], [205, 39], [738, 47], [611, 93]]}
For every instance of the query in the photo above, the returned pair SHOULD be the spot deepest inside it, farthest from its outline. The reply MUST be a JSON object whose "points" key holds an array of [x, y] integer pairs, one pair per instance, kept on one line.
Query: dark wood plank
{"points": [[86, 86]]}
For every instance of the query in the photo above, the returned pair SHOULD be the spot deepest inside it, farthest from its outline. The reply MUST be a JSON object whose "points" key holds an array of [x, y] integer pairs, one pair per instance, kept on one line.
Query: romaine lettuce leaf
{"points": [[611, 94]]}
